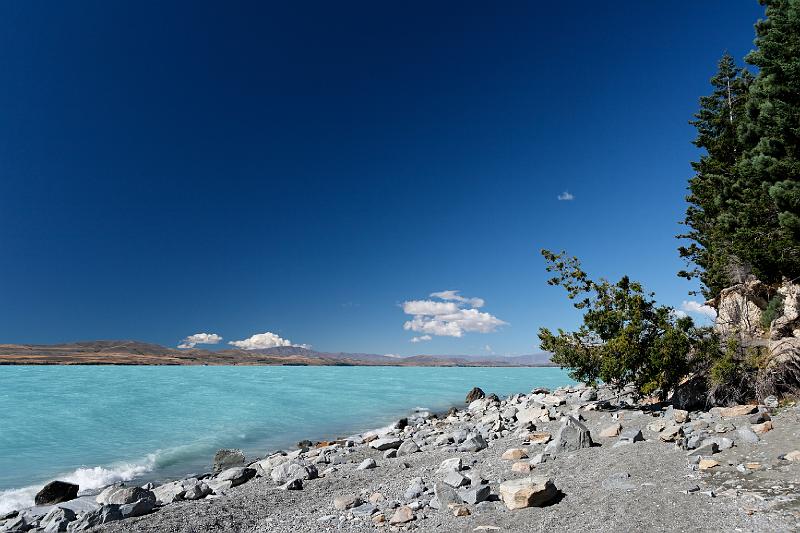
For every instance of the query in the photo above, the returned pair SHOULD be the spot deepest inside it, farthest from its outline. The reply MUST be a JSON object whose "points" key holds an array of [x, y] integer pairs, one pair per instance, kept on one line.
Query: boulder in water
{"points": [[56, 492]]}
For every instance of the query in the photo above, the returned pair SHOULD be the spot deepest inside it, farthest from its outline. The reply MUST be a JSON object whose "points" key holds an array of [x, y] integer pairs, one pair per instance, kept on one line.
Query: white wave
{"points": [[89, 479]]}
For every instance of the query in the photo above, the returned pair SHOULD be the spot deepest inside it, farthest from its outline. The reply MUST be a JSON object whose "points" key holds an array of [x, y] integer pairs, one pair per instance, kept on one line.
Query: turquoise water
{"points": [[96, 425]]}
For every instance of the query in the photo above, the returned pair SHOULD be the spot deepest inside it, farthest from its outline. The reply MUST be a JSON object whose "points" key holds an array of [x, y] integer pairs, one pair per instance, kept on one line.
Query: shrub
{"points": [[774, 310]]}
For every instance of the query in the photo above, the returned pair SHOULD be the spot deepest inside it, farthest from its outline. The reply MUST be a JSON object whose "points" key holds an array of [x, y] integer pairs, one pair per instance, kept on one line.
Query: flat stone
{"points": [[671, 433], [402, 515], [747, 435], [708, 448], [762, 428], [346, 501], [531, 414], [476, 495], [386, 443], [475, 443], [737, 410], [629, 436], [527, 492], [455, 479], [706, 464], [57, 520], [538, 437], [514, 454], [453, 463]]}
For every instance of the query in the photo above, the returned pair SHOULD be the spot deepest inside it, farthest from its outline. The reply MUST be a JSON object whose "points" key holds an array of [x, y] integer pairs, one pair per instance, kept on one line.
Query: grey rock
{"points": [[723, 443], [407, 448], [236, 475], [225, 459], [444, 496], [57, 520], [122, 495], [390, 454], [475, 443], [293, 484], [629, 436], [708, 447], [771, 402], [137, 508], [286, 471], [572, 436], [415, 489], [56, 492], [475, 394], [346, 501], [169, 492], [365, 509], [103, 515], [17, 523], [367, 464], [476, 495], [386, 443], [197, 491], [455, 479], [747, 435]]}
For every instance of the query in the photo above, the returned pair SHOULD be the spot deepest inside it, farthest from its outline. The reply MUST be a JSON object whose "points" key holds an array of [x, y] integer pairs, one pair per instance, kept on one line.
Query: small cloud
{"points": [[261, 341], [677, 313], [199, 338], [452, 317], [421, 338], [393, 356], [566, 196], [488, 349], [697, 308]]}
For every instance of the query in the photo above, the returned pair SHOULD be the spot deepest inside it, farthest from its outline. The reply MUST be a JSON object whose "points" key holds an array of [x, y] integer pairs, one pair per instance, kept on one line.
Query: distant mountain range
{"points": [[141, 353]]}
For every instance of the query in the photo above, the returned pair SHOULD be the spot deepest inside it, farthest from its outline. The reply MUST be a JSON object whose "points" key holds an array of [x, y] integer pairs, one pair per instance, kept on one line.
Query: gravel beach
{"points": [[587, 460]]}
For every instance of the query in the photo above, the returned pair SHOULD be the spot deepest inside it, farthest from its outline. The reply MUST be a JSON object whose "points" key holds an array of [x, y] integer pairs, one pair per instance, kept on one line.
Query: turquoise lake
{"points": [[95, 425]]}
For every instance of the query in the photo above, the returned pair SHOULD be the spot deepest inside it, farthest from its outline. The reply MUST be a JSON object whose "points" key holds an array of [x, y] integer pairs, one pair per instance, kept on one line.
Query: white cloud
{"points": [[261, 341], [450, 318], [421, 338], [677, 313], [455, 297], [488, 349], [697, 308], [566, 196], [199, 338]]}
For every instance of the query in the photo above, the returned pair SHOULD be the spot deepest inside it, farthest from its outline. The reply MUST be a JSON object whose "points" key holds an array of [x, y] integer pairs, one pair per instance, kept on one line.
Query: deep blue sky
{"points": [[169, 168]]}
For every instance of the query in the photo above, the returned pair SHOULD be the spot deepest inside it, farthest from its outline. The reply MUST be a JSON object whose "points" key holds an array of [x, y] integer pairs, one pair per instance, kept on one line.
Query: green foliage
{"points": [[732, 373], [625, 337], [774, 310], [744, 201]]}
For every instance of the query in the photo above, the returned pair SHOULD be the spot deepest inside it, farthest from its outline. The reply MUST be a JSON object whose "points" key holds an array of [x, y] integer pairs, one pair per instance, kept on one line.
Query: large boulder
{"points": [[225, 459], [527, 492], [739, 309], [57, 520], [386, 443], [122, 495], [572, 436], [102, 515], [288, 471], [475, 394], [56, 492]]}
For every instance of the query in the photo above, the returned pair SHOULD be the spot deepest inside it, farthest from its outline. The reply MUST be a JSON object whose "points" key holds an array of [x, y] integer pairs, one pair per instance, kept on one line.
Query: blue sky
{"points": [[303, 169]]}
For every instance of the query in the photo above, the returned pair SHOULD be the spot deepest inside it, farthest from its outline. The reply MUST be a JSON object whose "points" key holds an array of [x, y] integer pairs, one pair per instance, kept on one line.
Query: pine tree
{"points": [[713, 188], [767, 210]]}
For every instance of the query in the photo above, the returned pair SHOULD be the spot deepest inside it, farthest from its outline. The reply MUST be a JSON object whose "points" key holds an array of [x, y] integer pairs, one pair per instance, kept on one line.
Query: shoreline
{"points": [[393, 478]]}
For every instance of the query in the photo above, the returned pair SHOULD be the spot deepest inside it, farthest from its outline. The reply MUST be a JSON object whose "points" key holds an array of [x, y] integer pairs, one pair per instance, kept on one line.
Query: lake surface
{"points": [[95, 425]]}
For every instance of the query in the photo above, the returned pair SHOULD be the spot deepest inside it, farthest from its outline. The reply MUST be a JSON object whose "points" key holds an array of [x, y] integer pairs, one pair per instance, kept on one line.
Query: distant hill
{"points": [[128, 352]]}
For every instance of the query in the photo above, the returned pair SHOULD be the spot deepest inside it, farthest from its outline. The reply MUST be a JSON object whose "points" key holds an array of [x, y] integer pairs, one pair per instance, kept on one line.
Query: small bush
{"points": [[774, 310]]}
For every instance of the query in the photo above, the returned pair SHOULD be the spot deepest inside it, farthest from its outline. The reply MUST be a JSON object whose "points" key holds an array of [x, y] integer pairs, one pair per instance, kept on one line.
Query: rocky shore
{"points": [[570, 459]]}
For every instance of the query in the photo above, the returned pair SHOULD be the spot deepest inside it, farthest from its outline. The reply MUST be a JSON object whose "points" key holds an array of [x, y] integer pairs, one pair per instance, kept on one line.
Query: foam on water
{"points": [[115, 423]]}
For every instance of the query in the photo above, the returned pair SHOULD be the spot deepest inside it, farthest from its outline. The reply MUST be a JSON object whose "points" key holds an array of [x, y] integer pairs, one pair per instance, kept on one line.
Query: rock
{"points": [[386, 443], [531, 414], [706, 464], [629, 436], [390, 453], [122, 495], [572, 436], [723, 443], [691, 394], [293, 484], [367, 464], [56, 492], [611, 431], [236, 475], [169, 492], [197, 491], [680, 416], [737, 410], [286, 471], [17, 523], [671, 433], [476, 495], [522, 467], [762, 428], [455, 479], [771, 402], [414, 490], [514, 454], [475, 394], [444, 496], [758, 417], [407, 448], [475, 443], [57, 520], [225, 459], [588, 395], [657, 426], [538, 437], [708, 448], [454, 463], [739, 309], [793, 456], [138, 508], [747, 435], [402, 515], [527, 492], [552, 400], [102, 515], [346, 501], [510, 413], [459, 510]]}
